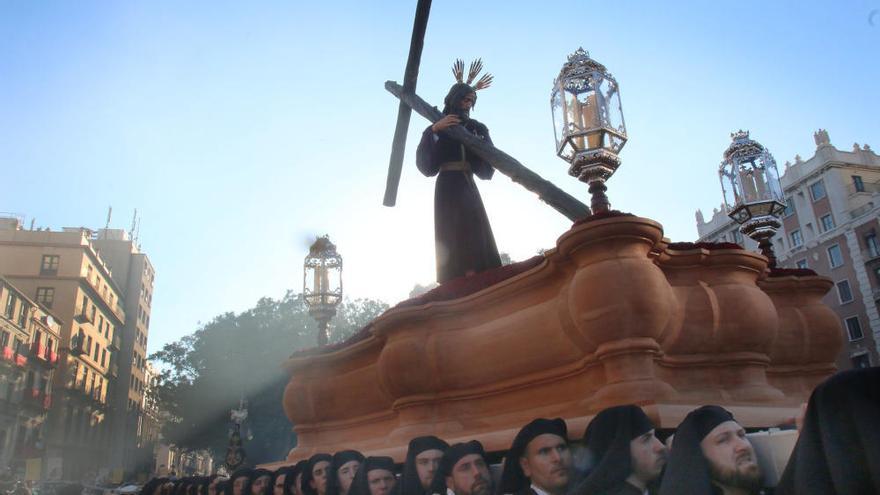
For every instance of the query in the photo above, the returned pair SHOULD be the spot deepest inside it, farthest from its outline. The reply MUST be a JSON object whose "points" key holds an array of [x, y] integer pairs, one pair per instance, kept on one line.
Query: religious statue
{"points": [[463, 237]]}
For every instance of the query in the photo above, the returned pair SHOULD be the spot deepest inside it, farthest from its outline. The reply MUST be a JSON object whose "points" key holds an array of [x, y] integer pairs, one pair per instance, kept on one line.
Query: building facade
{"points": [[831, 225], [67, 272], [29, 341]]}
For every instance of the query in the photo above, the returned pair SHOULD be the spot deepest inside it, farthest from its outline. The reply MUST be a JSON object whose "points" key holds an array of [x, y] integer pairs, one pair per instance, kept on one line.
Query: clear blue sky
{"points": [[240, 129]]}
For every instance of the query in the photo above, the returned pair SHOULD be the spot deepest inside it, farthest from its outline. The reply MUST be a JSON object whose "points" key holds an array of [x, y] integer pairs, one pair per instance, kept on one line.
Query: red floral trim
{"points": [[711, 246]]}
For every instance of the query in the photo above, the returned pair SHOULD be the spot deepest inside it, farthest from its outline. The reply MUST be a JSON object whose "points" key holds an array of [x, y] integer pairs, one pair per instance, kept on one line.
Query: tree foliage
{"points": [[204, 375]]}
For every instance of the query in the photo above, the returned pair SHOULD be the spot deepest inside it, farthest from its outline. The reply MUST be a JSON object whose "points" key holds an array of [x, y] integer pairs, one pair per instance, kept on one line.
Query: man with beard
{"points": [[422, 460], [711, 455], [463, 237], [463, 471], [627, 457], [539, 461], [314, 478]]}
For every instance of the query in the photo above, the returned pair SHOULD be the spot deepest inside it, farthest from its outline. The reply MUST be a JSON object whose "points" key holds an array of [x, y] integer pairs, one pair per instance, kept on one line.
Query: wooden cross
{"points": [[558, 199]]}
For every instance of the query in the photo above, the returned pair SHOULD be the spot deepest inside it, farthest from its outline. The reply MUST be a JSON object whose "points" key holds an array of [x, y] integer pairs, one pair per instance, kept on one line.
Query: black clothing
{"points": [[450, 458], [608, 438], [258, 473], [838, 450], [513, 479], [409, 483], [239, 473], [339, 459], [462, 234], [306, 481], [295, 470], [361, 484], [623, 488], [688, 469]]}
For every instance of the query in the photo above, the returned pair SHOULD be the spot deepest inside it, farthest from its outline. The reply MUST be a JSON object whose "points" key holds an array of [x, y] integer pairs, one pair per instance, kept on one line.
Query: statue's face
{"points": [[468, 101]]}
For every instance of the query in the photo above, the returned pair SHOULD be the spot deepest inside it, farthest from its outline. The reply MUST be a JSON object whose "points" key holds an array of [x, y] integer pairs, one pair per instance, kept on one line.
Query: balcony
{"points": [[21, 360], [866, 188], [8, 354], [37, 400], [83, 317], [43, 355], [116, 342], [861, 210]]}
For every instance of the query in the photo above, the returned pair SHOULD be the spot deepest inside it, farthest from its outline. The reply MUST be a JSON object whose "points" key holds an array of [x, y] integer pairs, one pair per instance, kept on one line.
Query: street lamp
{"points": [[588, 123], [322, 283], [752, 191]]}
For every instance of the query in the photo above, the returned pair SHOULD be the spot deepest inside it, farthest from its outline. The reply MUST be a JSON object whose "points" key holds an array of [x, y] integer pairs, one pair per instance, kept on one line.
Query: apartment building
{"points": [[29, 339], [831, 225]]}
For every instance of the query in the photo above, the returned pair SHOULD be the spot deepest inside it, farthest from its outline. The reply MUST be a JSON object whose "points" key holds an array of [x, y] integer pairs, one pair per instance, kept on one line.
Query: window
{"points": [[827, 223], [861, 361], [10, 306], [817, 190], [802, 264], [844, 292], [46, 296], [789, 207], [104, 357], [858, 185], [23, 310], [854, 328], [49, 265], [85, 306], [872, 245], [97, 352], [797, 239], [835, 256]]}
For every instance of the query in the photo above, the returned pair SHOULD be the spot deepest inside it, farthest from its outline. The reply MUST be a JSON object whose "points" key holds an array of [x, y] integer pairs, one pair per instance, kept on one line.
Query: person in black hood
{"points": [[154, 486], [711, 455], [375, 476], [463, 470], [838, 450], [342, 470], [239, 482], [627, 457], [261, 482], [279, 480], [539, 461], [422, 460], [293, 482], [464, 241], [314, 477]]}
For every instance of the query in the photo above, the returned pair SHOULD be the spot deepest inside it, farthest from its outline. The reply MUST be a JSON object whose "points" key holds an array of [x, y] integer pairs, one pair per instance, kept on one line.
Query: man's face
{"points": [[732, 460], [381, 481], [278, 487], [470, 476], [238, 485], [547, 462], [258, 487], [319, 477], [427, 463], [468, 101], [648, 457], [345, 475], [212, 487], [297, 484]]}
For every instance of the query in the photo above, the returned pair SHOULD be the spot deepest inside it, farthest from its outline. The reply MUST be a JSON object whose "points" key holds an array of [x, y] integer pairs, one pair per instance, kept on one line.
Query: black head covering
{"points": [[608, 438], [305, 484], [181, 485], [256, 473], [282, 471], [513, 479], [450, 458], [361, 484], [151, 485], [296, 470], [687, 470], [339, 459], [457, 93], [838, 450], [239, 473], [221, 487], [409, 483]]}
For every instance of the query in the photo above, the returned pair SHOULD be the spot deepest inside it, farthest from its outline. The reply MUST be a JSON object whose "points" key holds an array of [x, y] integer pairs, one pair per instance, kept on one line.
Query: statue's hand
{"points": [[445, 122]]}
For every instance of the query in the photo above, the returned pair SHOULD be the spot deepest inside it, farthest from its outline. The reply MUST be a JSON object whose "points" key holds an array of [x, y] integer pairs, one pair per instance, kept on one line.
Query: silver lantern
{"points": [[322, 283]]}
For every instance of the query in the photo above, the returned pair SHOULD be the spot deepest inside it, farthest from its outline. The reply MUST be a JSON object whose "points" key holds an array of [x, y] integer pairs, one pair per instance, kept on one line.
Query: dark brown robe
{"points": [[463, 236]]}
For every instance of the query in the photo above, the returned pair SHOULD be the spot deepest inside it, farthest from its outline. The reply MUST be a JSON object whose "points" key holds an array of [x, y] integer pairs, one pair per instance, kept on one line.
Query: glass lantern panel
{"points": [[751, 179], [760, 209], [774, 186], [557, 105], [729, 186], [568, 150], [614, 142], [608, 100]]}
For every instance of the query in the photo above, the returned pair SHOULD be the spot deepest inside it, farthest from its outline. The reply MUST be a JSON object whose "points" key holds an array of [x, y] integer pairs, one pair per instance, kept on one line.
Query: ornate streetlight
{"points": [[752, 191], [322, 283], [588, 123], [235, 453]]}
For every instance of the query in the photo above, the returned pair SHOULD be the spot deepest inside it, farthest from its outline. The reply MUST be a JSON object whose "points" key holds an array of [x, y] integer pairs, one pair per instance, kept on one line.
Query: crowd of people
{"points": [[837, 452]]}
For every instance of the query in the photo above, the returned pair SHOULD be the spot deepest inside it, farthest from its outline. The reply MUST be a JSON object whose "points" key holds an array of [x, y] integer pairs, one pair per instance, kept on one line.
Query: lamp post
{"points": [[322, 283], [235, 453], [588, 123], [752, 191]]}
